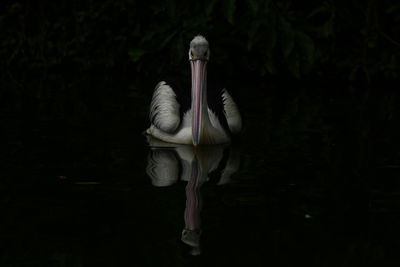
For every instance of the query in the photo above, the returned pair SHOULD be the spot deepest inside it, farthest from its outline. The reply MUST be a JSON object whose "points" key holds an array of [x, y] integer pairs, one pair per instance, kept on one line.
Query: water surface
{"points": [[299, 187]]}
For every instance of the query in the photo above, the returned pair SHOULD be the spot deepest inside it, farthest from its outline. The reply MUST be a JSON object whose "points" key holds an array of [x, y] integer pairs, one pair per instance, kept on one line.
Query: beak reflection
{"points": [[170, 163]]}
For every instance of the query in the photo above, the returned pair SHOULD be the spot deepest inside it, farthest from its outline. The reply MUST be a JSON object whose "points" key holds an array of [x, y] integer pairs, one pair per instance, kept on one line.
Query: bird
{"points": [[200, 116]]}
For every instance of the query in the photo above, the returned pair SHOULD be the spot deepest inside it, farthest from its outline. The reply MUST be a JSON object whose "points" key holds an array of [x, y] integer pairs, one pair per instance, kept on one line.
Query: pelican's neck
{"points": [[199, 76], [204, 103]]}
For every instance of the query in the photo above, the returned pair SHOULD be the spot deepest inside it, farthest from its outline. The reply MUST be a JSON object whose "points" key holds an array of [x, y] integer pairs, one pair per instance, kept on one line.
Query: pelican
{"points": [[210, 118]]}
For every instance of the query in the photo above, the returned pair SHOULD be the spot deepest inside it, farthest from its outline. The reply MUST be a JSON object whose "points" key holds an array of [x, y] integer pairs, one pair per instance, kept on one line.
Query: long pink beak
{"points": [[198, 89]]}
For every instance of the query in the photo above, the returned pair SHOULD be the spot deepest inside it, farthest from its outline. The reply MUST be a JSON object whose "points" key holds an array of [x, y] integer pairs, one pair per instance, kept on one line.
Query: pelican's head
{"points": [[199, 49], [199, 53]]}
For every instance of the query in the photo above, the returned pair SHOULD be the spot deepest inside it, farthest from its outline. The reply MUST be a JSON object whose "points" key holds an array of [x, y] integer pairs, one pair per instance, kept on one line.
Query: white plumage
{"points": [[213, 132], [164, 109], [232, 113], [169, 127], [199, 124]]}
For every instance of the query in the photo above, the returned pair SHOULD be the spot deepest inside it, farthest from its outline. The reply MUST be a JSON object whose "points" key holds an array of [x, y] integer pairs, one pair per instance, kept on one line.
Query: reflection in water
{"points": [[166, 162]]}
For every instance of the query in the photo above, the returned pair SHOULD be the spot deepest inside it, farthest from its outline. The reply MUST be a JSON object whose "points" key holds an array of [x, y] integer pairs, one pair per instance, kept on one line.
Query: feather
{"points": [[164, 109], [231, 112]]}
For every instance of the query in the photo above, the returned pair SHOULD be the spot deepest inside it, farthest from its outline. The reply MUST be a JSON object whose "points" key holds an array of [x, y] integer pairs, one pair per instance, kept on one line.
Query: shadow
{"points": [[169, 163]]}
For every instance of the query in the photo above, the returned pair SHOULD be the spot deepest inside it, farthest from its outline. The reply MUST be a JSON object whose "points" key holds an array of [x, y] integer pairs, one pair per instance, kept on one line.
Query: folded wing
{"points": [[165, 109], [231, 112]]}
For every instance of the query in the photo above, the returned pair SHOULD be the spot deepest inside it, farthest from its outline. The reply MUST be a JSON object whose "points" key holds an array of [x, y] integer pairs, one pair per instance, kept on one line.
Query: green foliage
{"points": [[357, 39]]}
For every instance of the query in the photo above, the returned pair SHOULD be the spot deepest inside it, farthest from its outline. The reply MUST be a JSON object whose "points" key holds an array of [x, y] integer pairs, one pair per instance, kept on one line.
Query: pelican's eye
{"points": [[191, 54], [205, 54]]}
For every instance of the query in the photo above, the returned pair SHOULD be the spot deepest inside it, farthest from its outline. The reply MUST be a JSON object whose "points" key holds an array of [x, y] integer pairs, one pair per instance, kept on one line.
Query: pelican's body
{"points": [[211, 116]]}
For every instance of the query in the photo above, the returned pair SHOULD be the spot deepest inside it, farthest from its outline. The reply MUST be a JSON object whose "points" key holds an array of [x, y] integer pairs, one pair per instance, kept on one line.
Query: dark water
{"points": [[309, 182]]}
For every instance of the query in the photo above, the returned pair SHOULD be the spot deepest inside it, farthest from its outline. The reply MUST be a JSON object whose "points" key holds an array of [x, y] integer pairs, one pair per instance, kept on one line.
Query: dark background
{"points": [[317, 85]]}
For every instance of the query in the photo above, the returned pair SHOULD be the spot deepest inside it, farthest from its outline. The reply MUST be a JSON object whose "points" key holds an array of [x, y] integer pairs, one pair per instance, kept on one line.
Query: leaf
{"points": [[320, 9], [293, 65], [306, 46], [229, 8], [287, 37], [136, 54], [254, 6], [171, 8], [270, 33], [283, 5], [372, 40], [270, 66], [354, 72], [167, 39], [327, 28], [395, 8], [179, 49], [252, 34], [210, 7]]}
